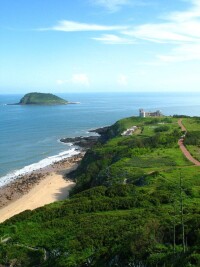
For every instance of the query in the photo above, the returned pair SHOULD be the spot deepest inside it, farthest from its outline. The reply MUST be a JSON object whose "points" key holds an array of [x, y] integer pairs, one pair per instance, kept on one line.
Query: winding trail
{"points": [[181, 125], [183, 148]]}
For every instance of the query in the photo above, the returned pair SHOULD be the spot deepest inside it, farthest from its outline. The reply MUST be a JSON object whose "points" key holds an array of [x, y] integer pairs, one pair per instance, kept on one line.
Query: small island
{"points": [[42, 99]]}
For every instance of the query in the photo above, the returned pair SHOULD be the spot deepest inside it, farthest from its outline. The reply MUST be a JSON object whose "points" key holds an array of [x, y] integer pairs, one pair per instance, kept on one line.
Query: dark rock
{"points": [[89, 141], [100, 131], [84, 142]]}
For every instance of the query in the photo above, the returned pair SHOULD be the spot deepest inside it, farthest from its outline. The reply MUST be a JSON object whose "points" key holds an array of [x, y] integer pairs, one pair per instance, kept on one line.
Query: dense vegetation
{"points": [[135, 203], [42, 99]]}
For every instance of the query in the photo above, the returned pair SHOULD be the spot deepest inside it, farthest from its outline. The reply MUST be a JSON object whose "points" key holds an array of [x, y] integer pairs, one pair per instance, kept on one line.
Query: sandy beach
{"points": [[38, 189]]}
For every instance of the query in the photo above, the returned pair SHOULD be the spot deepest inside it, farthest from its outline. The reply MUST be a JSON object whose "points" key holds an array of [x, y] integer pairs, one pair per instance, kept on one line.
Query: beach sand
{"points": [[38, 189], [50, 189]]}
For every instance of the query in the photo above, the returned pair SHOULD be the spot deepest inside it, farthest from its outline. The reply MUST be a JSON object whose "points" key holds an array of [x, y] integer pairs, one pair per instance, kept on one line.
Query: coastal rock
{"points": [[84, 142], [101, 131], [88, 141]]}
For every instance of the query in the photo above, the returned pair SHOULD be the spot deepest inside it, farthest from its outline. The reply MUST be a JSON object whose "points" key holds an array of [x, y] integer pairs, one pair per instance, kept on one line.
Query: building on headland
{"points": [[144, 114]]}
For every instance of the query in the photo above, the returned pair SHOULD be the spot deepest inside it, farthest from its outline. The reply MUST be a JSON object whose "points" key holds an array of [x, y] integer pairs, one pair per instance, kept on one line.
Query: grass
{"points": [[194, 151], [191, 124]]}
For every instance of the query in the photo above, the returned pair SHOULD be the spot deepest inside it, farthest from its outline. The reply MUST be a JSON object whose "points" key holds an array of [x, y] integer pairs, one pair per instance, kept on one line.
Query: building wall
{"points": [[144, 114]]}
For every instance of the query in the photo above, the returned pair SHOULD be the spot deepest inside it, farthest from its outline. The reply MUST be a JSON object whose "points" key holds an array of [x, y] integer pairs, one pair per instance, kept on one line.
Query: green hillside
{"points": [[136, 203], [42, 99]]}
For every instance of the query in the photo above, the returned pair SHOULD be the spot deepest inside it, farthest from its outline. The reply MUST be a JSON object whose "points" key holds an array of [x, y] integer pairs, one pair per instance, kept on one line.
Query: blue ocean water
{"points": [[30, 134]]}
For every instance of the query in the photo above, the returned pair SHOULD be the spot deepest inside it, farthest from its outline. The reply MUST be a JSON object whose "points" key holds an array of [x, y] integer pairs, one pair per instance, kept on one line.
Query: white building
{"points": [[144, 114]]}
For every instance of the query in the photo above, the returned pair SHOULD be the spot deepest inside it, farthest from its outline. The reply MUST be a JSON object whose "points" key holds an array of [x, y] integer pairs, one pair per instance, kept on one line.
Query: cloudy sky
{"points": [[99, 46]]}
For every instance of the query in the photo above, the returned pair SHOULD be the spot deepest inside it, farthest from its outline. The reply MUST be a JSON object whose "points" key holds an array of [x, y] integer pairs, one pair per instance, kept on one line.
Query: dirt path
{"points": [[181, 125], [184, 149]]}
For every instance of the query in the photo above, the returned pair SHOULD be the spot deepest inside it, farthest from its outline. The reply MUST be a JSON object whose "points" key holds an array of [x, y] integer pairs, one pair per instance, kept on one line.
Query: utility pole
{"points": [[174, 229], [182, 213]]}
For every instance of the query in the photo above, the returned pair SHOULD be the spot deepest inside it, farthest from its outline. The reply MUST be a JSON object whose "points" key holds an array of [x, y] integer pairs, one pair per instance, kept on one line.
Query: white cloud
{"points": [[113, 39], [122, 80], [181, 29], [76, 79], [73, 26], [167, 32], [81, 79], [190, 14], [111, 5], [115, 5], [182, 53]]}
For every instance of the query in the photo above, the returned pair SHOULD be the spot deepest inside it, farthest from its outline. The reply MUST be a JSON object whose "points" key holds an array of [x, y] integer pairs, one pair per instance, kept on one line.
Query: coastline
{"points": [[38, 188], [47, 184]]}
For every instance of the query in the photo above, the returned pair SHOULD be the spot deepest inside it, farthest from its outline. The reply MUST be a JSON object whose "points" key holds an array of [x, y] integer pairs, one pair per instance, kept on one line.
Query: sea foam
{"points": [[37, 166]]}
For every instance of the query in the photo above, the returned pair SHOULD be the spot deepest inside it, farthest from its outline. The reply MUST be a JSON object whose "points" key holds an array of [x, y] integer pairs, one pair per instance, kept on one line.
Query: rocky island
{"points": [[42, 99]]}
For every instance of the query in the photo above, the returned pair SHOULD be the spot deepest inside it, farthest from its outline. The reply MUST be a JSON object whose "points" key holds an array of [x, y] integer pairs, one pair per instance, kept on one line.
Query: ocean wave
{"points": [[37, 166], [67, 144]]}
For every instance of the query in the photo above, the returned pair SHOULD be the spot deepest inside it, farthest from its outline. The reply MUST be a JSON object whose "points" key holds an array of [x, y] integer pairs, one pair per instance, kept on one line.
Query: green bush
{"points": [[163, 128]]}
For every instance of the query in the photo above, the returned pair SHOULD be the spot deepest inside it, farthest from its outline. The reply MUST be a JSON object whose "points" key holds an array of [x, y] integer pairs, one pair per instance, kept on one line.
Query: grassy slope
{"points": [[193, 136], [123, 210]]}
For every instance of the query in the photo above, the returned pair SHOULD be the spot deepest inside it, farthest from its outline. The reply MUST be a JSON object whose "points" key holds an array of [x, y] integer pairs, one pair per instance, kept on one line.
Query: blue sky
{"points": [[99, 46]]}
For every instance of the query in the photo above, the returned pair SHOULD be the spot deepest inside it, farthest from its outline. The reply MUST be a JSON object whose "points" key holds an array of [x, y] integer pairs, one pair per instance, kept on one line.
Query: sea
{"points": [[30, 135]]}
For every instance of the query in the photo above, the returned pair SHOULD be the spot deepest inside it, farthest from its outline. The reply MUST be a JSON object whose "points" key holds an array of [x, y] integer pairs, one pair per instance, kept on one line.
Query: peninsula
{"points": [[42, 99]]}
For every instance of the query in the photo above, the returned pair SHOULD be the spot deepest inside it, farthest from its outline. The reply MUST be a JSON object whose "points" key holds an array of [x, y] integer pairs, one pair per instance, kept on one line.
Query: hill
{"points": [[42, 99], [136, 203]]}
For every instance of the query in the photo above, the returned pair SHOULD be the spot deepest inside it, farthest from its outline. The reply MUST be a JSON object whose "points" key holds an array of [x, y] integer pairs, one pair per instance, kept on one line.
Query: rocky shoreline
{"points": [[23, 184], [86, 142], [81, 141]]}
